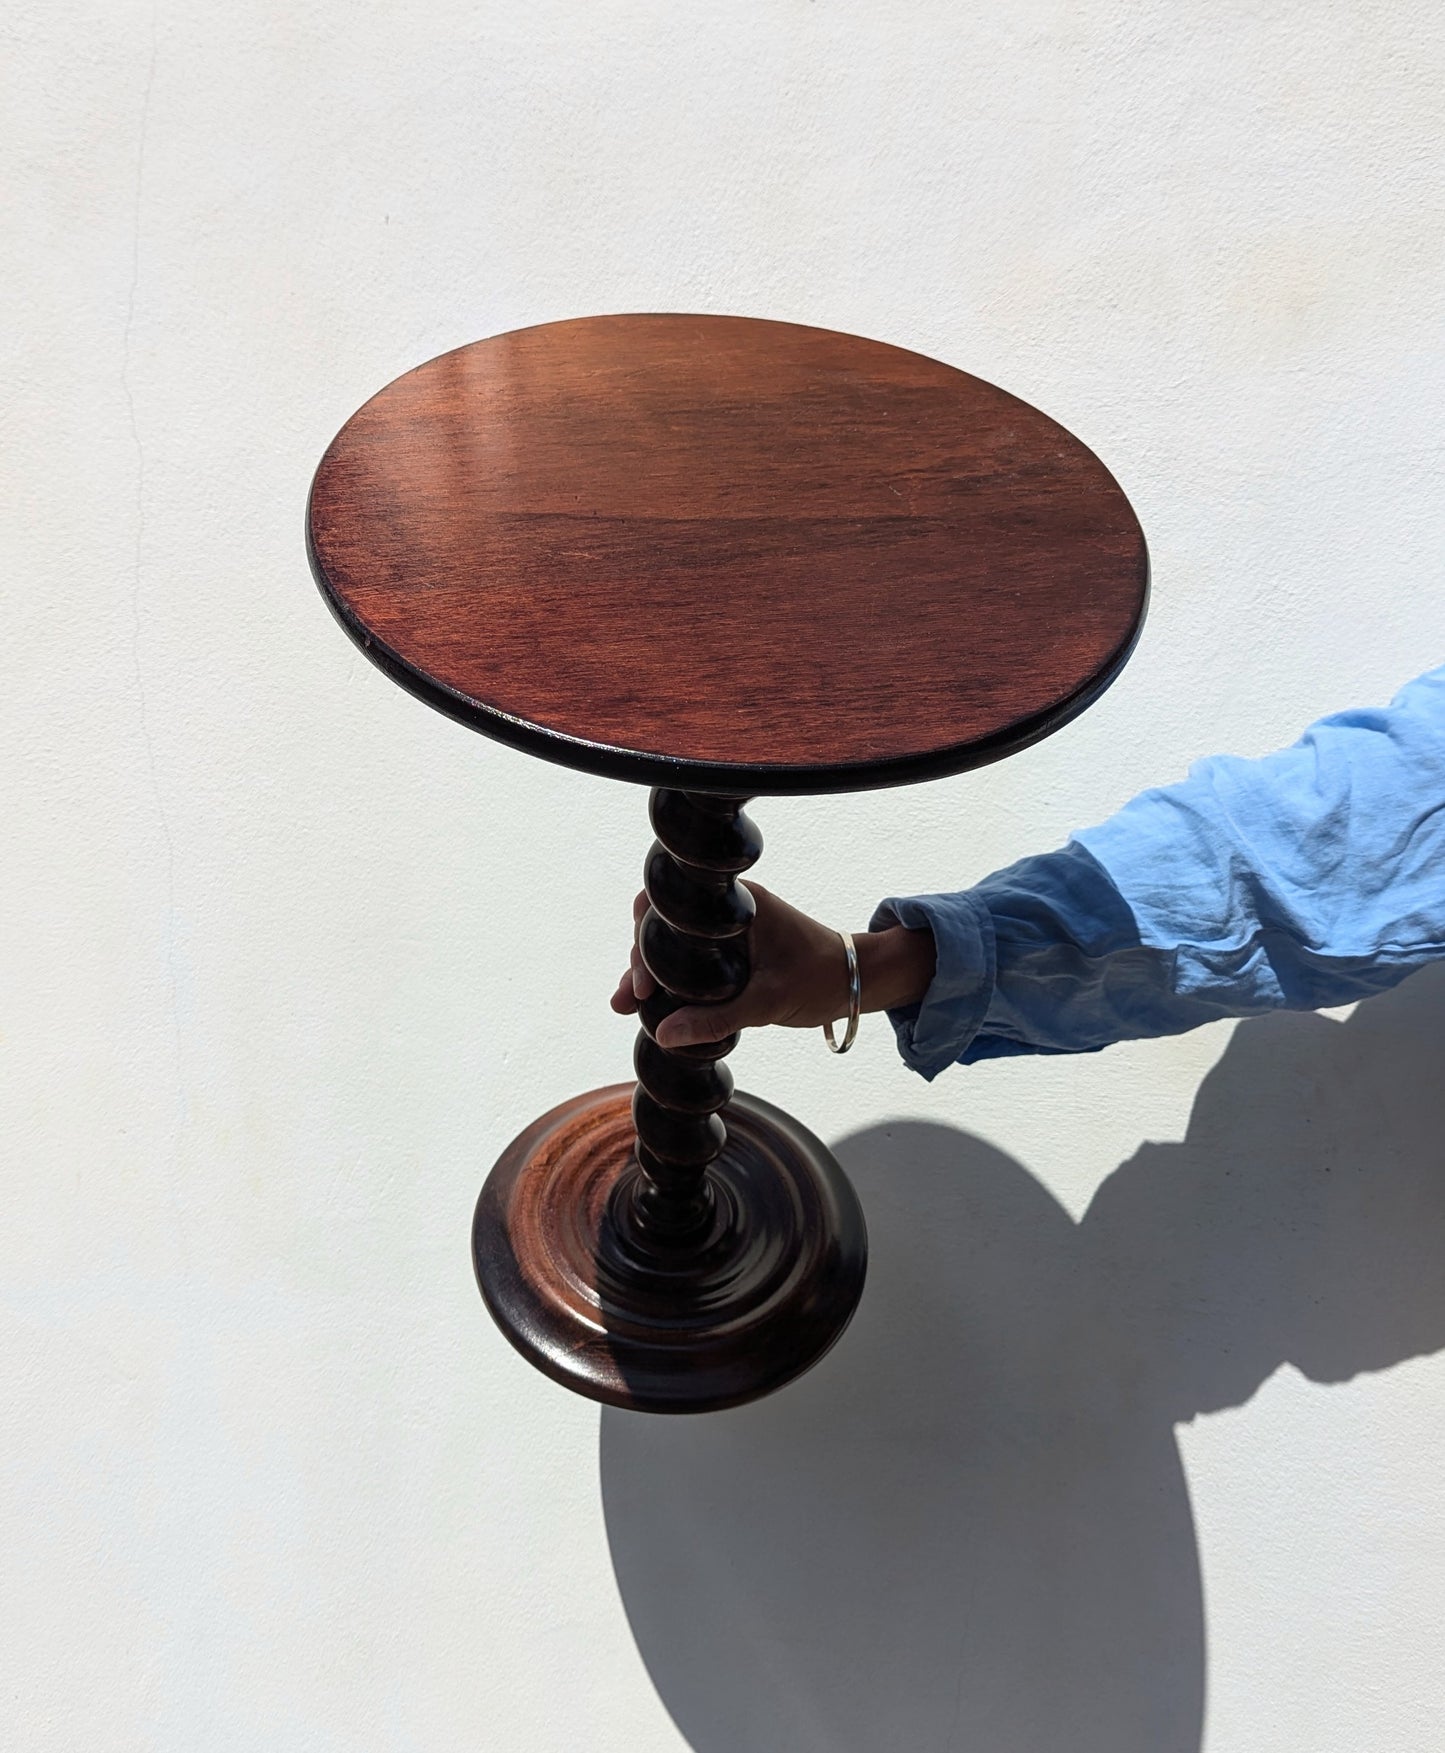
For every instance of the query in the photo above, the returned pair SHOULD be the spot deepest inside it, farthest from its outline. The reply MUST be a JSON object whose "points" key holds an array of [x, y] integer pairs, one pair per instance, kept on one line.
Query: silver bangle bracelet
{"points": [[855, 999]]}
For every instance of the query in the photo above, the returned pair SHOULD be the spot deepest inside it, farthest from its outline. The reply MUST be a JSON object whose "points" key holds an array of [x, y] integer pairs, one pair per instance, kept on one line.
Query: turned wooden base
{"points": [[722, 1317]]}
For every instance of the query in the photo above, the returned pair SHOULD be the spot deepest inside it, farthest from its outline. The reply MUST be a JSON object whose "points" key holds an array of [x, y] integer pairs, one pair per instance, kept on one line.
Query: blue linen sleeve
{"points": [[1308, 878]]}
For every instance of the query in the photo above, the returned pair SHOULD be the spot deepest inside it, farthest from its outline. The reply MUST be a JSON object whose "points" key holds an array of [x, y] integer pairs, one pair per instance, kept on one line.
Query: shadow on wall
{"points": [[968, 1527]]}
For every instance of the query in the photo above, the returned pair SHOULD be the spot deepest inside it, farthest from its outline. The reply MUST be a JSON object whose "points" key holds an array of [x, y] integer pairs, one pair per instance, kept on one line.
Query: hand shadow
{"points": [[968, 1527]]}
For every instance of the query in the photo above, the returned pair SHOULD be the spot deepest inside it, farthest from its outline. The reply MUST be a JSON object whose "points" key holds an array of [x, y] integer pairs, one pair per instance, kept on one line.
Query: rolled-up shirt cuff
{"points": [[937, 1032]]}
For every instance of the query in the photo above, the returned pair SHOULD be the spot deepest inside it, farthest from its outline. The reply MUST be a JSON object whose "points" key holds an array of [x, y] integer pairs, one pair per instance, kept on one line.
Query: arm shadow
{"points": [[968, 1527]]}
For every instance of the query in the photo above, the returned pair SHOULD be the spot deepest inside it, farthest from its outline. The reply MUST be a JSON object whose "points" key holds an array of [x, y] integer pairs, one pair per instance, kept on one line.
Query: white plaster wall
{"points": [[286, 958]]}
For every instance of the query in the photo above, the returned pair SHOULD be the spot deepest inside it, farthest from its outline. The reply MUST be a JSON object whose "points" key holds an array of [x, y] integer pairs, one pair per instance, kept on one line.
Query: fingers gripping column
{"points": [[694, 940]]}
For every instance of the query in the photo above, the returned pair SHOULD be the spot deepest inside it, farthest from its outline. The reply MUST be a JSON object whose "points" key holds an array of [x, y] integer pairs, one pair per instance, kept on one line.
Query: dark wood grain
{"points": [[727, 554]]}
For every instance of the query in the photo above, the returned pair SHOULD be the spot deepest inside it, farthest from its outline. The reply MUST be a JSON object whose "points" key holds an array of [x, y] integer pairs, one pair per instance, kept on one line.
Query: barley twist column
{"points": [[694, 940], [674, 1245]]}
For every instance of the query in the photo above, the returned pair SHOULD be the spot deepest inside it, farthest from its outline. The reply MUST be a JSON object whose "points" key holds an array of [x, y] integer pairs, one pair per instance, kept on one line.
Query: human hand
{"points": [[799, 975]]}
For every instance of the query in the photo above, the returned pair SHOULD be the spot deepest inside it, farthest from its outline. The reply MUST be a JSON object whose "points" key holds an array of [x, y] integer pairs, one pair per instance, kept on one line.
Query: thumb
{"points": [[697, 1023]]}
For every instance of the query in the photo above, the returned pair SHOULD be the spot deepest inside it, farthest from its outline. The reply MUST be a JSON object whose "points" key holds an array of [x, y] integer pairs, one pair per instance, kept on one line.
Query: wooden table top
{"points": [[728, 554]]}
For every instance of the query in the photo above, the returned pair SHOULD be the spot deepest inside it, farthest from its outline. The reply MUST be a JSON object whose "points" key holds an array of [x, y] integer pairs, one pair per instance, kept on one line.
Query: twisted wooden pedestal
{"points": [[723, 558], [673, 1246]]}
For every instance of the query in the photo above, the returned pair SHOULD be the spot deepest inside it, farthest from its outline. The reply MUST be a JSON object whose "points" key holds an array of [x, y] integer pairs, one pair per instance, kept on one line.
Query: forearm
{"points": [[1308, 878], [895, 966]]}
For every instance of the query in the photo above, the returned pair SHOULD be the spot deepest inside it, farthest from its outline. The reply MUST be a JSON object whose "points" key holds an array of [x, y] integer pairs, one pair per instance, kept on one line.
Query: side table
{"points": [[724, 558]]}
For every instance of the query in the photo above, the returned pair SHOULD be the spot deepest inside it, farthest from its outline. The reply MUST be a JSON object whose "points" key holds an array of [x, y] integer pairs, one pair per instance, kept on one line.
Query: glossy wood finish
{"points": [[694, 940], [757, 1298], [727, 555]]}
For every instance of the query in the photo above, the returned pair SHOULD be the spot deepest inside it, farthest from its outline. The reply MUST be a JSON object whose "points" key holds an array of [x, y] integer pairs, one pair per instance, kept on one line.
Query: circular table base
{"points": [[757, 1302]]}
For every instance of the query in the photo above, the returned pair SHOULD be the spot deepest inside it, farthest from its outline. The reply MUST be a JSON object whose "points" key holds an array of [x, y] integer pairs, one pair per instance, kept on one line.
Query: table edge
{"points": [[736, 779]]}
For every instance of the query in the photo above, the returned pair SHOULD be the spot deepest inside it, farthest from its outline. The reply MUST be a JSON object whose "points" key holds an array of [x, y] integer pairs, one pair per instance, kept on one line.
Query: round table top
{"points": [[728, 554]]}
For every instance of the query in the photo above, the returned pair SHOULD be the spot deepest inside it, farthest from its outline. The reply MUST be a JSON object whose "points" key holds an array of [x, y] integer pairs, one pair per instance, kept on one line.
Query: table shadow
{"points": [[968, 1527]]}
